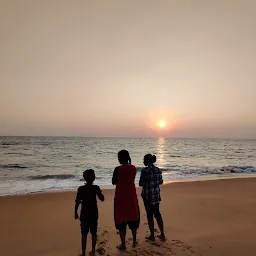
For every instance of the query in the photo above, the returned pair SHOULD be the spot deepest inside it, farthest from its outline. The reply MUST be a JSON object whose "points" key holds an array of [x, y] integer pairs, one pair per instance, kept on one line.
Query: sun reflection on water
{"points": [[161, 149]]}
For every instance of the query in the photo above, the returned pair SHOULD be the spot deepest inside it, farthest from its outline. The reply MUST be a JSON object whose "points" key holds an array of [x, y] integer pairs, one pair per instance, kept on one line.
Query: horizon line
{"points": [[129, 137]]}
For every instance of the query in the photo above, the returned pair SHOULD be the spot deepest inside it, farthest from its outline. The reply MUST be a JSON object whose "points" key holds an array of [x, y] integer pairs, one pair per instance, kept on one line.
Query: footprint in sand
{"points": [[151, 249], [159, 248], [102, 241], [182, 245]]}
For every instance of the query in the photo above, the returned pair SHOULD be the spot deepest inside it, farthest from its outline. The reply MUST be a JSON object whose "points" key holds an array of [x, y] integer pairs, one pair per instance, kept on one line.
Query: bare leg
{"points": [[122, 246], [150, 217], [134, 237], [94, 241], [160, 223], [151, 228], [83, 244]]}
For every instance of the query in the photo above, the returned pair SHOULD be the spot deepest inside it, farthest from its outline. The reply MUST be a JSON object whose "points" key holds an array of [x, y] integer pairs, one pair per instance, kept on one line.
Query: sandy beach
{"points": [[201, 218]]}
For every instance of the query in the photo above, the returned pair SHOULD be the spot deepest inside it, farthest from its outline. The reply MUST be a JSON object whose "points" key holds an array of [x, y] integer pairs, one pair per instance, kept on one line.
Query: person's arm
{"points": [[77, 203], [100, 195], [142, 178], [114, 178], [160, 177]]}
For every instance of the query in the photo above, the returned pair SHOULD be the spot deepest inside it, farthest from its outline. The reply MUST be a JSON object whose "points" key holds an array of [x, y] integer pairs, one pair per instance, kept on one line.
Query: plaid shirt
{"points": [[150, 179]]}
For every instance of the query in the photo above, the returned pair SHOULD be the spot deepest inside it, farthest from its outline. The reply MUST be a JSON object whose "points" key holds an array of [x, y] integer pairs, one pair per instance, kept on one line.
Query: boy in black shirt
{"points": [[86, 195]]}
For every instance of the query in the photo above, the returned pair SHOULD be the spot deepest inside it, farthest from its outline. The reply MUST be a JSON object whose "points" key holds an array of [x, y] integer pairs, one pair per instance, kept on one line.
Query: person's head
{"points": [[124, 157], [89, 176], [149, 159]]}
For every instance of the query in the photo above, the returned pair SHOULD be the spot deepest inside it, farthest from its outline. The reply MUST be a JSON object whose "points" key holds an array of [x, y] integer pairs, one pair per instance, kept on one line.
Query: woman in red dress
{"points": [[126, 208]]}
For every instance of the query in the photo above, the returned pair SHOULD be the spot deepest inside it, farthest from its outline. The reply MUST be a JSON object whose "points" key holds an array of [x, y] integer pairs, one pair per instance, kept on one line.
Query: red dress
{"points": [[126, 202]]}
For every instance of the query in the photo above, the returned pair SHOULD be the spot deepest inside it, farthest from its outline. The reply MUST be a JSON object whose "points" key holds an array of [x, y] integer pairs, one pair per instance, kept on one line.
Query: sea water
{"points": [[39, 164]]}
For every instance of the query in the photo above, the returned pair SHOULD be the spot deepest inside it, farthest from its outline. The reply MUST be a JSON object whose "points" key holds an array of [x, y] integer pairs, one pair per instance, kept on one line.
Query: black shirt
{"points": [[86, 195]]}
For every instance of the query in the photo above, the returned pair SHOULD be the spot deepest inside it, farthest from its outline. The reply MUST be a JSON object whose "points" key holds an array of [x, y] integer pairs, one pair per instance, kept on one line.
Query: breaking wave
{"points": [[14, 166], [53, 176]]}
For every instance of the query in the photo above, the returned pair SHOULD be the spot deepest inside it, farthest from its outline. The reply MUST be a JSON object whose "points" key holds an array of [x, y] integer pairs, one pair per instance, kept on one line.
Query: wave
{"points": [[9, 143], [234, 169], [13, 153], [97, 178], [14, 166], [193, 173], [138, 169], [206, 170], [226, 169], [53, 176]]}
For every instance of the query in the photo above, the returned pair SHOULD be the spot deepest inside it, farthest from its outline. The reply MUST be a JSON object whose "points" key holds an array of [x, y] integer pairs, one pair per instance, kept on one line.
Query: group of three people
{"points": [[126, 207]]}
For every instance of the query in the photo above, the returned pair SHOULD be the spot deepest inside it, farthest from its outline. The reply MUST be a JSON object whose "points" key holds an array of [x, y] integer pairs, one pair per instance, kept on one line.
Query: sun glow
{"points": [[161, 124]]}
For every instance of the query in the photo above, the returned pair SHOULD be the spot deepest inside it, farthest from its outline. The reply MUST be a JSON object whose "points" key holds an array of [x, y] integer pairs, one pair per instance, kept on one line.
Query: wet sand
{"points": [[201, 218]]}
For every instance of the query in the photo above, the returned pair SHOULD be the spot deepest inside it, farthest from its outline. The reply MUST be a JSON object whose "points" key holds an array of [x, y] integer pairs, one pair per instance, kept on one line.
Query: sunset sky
{"points": [[118, 68]]}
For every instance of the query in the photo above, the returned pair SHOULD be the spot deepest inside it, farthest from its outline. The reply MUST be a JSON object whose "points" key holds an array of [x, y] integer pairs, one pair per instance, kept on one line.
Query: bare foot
{"points": [[150, 238], [121, 247], [162, 238]]}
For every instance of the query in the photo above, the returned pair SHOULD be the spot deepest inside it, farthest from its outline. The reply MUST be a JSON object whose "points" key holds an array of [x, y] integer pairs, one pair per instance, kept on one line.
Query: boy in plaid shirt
{"points": [[150, 180]]}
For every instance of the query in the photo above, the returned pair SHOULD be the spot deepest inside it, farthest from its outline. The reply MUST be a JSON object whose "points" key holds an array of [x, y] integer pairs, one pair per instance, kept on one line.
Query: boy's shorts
{"points": [[89, 224]]}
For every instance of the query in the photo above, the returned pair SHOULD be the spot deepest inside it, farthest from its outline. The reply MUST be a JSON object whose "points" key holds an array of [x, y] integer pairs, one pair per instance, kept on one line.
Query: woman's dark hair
{"points": [[150, 159], [89, 175], [124, 156]]}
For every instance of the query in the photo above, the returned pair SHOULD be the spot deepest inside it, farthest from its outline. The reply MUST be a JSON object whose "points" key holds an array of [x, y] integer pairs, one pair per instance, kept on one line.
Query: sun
{"points": [[161, 124]]}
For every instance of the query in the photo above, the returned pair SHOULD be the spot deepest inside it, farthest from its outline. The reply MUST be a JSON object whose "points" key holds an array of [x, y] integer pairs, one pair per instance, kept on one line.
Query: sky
{"points": [[116, 68]]}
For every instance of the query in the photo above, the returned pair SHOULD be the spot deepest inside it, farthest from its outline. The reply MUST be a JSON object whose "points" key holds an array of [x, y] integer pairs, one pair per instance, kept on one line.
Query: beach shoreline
{"points": [[166, 182], [201, 218]]}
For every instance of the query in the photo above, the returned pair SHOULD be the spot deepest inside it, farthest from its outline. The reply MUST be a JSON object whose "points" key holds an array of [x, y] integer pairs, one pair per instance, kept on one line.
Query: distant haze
{"points": [[115, 68]]}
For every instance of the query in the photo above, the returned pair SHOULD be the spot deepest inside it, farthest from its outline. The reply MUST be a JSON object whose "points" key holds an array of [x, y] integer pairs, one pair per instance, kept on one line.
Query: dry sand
{"points": [[201, 218]]}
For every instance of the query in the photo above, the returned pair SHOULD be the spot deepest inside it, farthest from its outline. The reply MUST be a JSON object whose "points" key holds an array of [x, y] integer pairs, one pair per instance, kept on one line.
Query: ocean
{"points": [[40, 164]]}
